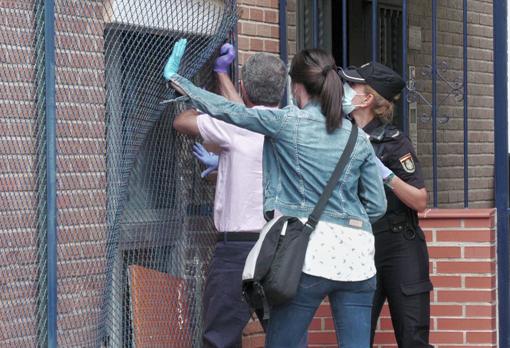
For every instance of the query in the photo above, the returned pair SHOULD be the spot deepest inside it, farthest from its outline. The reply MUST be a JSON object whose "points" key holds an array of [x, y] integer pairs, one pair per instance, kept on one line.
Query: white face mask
{"points": [[349, 94]]}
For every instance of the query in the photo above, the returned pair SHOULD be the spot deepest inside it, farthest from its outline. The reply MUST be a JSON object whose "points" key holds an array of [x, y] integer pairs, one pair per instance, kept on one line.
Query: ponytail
{"points": [[331, 99], [315, 69]]}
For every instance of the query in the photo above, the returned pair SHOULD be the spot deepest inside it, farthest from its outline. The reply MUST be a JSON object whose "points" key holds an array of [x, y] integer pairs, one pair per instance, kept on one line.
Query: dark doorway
{"points": [[359, 34], [329, 25]]}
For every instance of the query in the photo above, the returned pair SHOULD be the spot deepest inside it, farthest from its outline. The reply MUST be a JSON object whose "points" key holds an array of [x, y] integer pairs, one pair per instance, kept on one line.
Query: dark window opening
{"points": [[359, 33], [164, 203]]}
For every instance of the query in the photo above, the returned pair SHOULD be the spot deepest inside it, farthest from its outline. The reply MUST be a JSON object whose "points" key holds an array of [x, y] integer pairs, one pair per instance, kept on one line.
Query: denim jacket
{"points": [[300, 156]]}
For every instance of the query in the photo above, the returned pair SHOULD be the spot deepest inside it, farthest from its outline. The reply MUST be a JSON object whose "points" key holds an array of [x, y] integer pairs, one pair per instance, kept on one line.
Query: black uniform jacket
{"points": [[396, 151]]}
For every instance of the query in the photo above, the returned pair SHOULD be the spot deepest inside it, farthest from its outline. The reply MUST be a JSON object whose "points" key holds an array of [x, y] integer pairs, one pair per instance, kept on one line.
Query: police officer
{"points": [[401, 255]]}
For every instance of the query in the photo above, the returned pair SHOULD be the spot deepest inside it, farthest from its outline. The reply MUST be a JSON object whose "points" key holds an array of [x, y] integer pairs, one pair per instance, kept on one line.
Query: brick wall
{"points": [[81, 183], [461, 242], [462, 251], [81, 147], [18, 200], [462, 248], [258, 29], [480, 99], [82, 164]]}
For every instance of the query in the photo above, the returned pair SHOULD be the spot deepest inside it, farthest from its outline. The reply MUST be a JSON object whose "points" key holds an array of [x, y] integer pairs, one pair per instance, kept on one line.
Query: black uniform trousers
{"points": [[402, 263]]}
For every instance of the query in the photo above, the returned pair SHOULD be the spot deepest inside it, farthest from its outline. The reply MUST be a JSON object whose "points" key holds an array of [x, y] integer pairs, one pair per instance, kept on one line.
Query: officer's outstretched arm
{"points": [[371, 191], [413, 197]]}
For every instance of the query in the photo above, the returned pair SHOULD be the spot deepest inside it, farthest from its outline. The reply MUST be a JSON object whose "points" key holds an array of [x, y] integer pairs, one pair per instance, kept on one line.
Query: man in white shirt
{"points": [[238, 208]]}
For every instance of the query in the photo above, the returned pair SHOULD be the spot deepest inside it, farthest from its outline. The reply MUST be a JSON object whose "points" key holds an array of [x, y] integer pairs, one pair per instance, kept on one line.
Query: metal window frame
{"points": [[319, 24]]}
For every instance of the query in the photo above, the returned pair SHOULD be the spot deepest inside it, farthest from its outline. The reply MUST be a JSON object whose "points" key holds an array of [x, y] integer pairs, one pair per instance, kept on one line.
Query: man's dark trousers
{"points": [[225, 311]]}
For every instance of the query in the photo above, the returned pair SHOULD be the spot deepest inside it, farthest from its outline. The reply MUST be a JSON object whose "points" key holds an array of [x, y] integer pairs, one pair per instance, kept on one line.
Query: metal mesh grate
{"points": [[134, 218]]}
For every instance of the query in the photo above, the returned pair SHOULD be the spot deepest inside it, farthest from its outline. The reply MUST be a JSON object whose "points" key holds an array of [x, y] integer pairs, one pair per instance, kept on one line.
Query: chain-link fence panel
{"points": [[23, 276], [134, 222]]}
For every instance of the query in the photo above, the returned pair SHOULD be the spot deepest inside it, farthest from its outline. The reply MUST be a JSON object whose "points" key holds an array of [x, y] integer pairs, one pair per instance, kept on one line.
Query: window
{"points": [[150, 213], [305, 24], [359, 32]]}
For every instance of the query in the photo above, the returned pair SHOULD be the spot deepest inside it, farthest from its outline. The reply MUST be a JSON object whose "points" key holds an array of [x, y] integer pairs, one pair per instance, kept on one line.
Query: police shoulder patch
{"points": [[407, 163]]}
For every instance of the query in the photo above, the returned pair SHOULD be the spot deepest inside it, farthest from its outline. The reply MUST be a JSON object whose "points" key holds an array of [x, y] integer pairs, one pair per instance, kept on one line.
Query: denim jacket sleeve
{"points": [[371, 190], [265, 121]]}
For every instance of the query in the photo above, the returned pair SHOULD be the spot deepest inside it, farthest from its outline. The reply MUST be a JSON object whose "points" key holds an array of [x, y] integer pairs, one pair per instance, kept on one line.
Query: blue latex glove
{"points": [[211, 160], [174, 61], [227, 56]]}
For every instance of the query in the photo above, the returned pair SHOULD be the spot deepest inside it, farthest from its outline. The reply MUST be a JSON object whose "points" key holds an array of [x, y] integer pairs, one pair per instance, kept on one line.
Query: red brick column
{"points": [[462, 251], [257, 28], [18, 175], [81, 169]]}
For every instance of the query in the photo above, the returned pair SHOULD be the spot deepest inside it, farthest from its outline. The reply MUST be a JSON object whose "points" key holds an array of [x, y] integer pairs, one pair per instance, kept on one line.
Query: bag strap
{"points": [[313, 219]]}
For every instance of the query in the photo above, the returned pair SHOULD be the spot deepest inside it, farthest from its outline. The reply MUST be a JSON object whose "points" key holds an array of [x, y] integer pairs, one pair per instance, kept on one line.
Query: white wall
{"points": [[142, 14]]}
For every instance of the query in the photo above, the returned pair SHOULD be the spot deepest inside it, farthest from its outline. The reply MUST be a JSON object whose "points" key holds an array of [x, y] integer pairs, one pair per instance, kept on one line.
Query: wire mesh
{"points": [[22, 175], [134, 218]]}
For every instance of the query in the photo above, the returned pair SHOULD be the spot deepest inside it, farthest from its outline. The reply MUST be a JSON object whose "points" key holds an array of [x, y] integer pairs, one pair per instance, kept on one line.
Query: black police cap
{"points": [[382, 79]]}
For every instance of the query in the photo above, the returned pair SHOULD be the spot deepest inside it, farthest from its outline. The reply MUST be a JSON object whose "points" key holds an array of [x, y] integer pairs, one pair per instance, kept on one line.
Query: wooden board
{"points": [[159, 309]]}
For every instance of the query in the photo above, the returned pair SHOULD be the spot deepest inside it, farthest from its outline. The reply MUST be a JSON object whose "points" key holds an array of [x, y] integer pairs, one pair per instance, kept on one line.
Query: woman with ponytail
{"points": [[401, 255], [303, 145]]}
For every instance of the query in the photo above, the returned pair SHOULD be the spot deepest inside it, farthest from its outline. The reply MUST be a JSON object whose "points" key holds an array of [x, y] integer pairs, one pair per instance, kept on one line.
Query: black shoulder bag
{"points": [[273, 267]]}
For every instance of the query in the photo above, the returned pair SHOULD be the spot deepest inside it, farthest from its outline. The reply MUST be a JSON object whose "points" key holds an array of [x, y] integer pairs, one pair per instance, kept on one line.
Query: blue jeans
{"points": [[351, 304]]}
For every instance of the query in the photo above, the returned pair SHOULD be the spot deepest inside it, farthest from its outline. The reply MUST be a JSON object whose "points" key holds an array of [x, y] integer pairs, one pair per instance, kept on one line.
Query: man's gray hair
{"points": [[264, 77]]}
